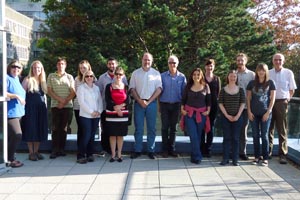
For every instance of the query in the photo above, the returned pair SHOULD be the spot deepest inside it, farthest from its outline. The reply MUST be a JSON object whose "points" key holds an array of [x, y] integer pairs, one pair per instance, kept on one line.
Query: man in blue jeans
{"points": [[145, 86]]}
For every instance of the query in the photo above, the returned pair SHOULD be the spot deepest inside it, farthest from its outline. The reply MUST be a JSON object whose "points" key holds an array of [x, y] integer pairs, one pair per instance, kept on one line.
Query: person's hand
{"points": [[250, 115], [143, 103], [266, 116], [22, 101], [120, 114], [206, 113], [183, 112]]}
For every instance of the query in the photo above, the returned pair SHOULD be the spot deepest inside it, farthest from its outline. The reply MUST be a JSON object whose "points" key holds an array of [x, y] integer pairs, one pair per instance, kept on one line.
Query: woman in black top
{"points": [[214, 84], [195, 108]]}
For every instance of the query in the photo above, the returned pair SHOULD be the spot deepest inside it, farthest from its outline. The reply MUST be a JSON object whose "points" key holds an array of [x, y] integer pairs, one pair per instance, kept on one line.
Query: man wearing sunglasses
{"points": [[173, 83]]}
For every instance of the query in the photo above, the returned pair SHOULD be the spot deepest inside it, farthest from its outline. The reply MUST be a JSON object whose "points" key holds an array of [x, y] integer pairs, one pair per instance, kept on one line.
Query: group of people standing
{"points": [[261, 97]]}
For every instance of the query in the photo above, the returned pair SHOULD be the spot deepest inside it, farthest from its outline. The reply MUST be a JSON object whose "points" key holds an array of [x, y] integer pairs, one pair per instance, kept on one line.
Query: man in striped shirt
{"points": [[61, 90]]}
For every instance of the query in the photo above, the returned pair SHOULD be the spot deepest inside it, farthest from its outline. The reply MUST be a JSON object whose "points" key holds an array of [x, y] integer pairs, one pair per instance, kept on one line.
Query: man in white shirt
{"points": [[145, 86], [286, 85]]}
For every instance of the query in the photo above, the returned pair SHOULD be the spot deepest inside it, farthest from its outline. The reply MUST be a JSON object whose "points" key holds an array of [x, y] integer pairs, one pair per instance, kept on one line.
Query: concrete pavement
{"points": [[142, 178]]}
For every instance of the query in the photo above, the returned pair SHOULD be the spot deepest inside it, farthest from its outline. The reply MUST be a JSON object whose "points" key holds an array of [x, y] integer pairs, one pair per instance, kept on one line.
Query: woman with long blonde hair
{"points": [[35, 121]]}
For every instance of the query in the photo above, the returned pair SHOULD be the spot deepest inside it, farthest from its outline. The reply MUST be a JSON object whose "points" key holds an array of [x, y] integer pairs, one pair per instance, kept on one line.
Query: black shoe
{"points": [[224, 162], [33, 157], [151, 155], [244, 157], [81, 161], [173, 154], [39, 156], [90, 158], [165, 154], [135, 155], [282, 160], [61, 153], [53, 156], [112, 160], [120, 159], [197, 162], [235, 163]]}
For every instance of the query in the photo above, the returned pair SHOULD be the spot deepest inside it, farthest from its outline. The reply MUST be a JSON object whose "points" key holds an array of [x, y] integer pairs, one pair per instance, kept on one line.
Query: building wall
{"points": [[19, 37]]}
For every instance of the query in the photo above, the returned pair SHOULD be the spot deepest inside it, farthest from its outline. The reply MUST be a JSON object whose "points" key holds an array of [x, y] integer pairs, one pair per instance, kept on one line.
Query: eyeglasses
{"points": [[89, 76], [172, 63], [118, 74], [15, 66]]}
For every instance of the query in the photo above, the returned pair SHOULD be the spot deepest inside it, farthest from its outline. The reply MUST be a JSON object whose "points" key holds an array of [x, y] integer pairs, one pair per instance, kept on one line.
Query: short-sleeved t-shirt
{"points": [[61, 86], [261, 98]]}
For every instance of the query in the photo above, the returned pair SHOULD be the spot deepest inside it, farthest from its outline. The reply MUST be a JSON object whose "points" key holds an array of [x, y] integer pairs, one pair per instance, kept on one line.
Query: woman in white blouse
{"points": [[90, 102]]}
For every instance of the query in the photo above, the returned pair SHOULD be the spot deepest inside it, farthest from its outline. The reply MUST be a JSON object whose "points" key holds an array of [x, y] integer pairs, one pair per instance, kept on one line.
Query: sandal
{"points": [[15, 164]]}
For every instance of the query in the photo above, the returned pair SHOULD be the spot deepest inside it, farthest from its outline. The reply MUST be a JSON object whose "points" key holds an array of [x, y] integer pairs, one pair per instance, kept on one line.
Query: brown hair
{"points": [[264, 67]]}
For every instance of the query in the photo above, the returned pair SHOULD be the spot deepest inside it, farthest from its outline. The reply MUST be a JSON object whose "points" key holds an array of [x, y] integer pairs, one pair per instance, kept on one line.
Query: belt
{"points": [[145, 99], [280, 100], [169, 102]]}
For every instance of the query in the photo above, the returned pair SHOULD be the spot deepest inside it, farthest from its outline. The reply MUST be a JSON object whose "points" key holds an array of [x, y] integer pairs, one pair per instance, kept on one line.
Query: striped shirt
{"points": [[61, 86], [232, 102]]}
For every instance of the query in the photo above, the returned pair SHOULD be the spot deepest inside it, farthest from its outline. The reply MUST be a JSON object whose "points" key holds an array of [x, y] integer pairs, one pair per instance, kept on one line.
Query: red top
{"points": [[118, 96]]}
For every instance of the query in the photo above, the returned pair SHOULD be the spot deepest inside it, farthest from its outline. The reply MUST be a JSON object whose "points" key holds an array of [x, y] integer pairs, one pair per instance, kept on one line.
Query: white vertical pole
{"points": [[3, 78]]}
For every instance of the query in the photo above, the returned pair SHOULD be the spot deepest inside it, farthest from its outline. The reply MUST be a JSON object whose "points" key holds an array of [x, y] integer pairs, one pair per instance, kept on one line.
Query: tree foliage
{"points": [[282, 16], [191, 29]]}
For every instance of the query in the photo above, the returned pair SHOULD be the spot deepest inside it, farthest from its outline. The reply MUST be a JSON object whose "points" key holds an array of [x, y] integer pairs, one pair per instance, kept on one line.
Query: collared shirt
{"points": [[244, 78], [103, 80], [61, 86], [173, 87], [284, 80], [145, 82]]}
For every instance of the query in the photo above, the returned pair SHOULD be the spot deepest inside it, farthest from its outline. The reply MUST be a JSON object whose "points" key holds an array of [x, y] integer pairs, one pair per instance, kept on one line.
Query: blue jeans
{"points": [[261, 128], [139, 115], [86, 141], [231, 137], [194, 130]]}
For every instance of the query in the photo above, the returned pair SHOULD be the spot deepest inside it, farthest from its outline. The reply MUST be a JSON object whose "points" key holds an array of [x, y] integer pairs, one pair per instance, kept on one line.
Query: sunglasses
{"points": [[118, 74], [172, 63], [89, 76], [15, 66]]}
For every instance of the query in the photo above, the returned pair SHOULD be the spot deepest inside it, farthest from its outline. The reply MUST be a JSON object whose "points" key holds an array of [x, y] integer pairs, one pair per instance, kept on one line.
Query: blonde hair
{"points": [[33, 84]]}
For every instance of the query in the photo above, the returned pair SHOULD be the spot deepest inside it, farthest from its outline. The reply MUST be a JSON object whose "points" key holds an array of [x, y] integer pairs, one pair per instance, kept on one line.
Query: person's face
{"points": [[111, 66], [37, 69], [119, 75], [83, 68], [61, 66], [15, 70], [89, 77], [261, 74], [210, 67], [232, 77], [196, 77], [241, 62], [278, 61], [147, 61], [172, 63]]}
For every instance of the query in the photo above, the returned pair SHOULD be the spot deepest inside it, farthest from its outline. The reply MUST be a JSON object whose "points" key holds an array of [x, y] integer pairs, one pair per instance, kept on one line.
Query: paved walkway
{"points": [[161, 179]]}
